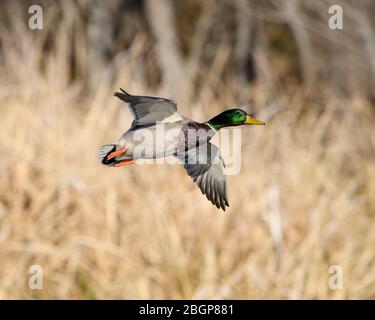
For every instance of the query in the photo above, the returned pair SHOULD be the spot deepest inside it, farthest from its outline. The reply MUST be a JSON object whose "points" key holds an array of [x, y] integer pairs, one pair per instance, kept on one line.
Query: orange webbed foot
{"points": [[124, 163], [116, 153]]}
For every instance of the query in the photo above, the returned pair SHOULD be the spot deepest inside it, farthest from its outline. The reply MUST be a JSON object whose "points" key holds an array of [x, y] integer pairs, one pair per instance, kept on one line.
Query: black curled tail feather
{"points": [[103, 153]]}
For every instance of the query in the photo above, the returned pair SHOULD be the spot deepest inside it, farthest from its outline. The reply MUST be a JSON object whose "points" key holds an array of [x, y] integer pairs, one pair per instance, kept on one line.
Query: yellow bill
{"points": [[252, 121]]}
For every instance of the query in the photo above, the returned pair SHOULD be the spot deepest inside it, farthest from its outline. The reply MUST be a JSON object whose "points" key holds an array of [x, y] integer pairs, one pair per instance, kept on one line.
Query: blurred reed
{"points": [[305, 197]]}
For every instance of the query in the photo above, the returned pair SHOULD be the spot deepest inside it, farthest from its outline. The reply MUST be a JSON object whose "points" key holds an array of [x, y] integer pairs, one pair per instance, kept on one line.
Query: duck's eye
{"points": [[238, 113]]}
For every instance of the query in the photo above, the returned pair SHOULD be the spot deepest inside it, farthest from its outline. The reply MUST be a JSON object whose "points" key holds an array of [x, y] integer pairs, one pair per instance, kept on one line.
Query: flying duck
{"points": [[186, 139]]}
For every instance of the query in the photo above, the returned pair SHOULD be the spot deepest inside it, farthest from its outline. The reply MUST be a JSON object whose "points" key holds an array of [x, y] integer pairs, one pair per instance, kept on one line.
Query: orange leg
{"points": [[124, 163], [116, 153]]}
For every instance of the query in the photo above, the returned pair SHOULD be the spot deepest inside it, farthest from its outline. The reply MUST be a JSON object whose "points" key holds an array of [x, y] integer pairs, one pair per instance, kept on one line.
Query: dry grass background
{"points": [[305, 197]]}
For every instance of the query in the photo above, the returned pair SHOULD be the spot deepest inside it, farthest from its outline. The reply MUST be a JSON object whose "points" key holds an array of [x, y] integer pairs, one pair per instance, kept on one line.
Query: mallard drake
{"points": [[200, 158]]}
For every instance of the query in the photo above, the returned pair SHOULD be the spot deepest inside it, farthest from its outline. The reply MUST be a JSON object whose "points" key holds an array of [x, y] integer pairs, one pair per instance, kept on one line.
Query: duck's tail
{"points": [[108, 153], [104, 152]]}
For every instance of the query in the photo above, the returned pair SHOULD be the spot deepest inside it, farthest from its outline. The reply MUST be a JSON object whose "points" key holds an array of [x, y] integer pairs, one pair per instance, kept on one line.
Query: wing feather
{"points": [[149, 110], [208, 173]]}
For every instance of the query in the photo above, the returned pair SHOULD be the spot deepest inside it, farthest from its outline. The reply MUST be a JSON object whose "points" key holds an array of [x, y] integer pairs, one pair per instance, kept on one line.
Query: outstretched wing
{"points": [[206, 167], [149, 110]]}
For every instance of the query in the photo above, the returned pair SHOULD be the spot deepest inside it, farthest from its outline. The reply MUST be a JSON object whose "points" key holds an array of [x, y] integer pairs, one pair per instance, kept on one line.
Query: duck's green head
{"points": [[233, 117]]}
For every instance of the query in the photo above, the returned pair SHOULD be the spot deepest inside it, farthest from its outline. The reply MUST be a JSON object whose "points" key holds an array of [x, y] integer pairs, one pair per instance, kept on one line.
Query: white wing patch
{"points": [[173, 118]]}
